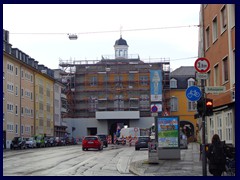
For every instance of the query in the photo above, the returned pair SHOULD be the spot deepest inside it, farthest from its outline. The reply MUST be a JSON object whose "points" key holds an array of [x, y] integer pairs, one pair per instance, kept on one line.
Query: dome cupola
{"points": [[121, 48]]}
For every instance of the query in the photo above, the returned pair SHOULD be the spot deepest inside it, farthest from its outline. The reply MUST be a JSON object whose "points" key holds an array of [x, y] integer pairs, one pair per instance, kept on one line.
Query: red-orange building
{"points": [[217, 44]]}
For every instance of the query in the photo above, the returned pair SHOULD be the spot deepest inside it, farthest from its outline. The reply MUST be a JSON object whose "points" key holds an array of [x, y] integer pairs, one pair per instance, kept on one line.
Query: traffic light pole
{"points": [[204, 160]]}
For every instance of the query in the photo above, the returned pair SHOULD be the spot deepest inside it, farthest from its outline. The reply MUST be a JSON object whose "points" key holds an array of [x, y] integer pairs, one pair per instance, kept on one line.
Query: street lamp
{"points": [[72, 36]]}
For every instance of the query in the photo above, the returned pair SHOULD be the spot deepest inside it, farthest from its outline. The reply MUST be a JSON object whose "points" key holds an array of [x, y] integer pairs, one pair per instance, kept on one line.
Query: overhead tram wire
{"points": [[111, 31]]}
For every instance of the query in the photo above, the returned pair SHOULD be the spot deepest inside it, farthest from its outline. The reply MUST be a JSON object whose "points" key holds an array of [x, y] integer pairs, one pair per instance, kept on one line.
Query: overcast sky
{"points": [[56, 21]]}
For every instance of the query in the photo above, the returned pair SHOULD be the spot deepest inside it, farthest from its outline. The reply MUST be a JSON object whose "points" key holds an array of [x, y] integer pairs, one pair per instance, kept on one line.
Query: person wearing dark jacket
{"points": [[216, 161]]}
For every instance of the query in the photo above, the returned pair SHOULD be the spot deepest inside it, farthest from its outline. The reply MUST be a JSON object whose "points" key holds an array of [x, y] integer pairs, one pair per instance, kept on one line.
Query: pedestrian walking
{"points": [[216, 155]]}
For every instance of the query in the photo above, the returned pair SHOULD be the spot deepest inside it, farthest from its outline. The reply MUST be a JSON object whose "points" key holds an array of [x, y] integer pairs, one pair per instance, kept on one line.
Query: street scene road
{"points": [[71, 161]]}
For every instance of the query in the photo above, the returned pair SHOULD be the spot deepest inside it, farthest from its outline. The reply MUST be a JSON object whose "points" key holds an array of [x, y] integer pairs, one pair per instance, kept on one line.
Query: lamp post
{"points": [[72, 36]]}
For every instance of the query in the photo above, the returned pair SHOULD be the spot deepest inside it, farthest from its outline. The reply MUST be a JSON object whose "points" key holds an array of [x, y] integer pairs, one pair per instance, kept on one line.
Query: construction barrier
{"points": [[115, 139], [109, 139]]}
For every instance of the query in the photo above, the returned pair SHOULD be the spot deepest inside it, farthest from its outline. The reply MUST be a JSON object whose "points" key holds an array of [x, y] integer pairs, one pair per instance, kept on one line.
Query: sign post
{"points": [[202, 65]]}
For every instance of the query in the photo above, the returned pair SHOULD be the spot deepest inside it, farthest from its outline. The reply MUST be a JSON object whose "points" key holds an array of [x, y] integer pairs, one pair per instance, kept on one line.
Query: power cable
{"points": [[111, 31]]}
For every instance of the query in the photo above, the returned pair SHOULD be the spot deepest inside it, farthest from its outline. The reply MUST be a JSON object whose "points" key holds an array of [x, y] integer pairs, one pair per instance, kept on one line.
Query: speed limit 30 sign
{"points": [[202, 65]]}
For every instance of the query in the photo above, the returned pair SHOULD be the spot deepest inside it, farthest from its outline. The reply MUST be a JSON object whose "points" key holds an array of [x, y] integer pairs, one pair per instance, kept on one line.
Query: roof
{"points": [[182, 75], [121, 41], [184, 70]]}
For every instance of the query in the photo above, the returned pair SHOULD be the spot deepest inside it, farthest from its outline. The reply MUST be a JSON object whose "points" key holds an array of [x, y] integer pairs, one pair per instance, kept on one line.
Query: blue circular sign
{"points": [[154, 108], [193, 93]]}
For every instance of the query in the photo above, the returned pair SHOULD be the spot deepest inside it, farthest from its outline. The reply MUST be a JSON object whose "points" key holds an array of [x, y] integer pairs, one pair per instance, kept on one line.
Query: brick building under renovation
{"points": [[107, 94]]}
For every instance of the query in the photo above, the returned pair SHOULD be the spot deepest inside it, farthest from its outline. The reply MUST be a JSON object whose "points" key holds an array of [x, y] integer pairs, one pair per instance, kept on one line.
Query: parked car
{"points": [[58, 141], [142, 142], [18, 143], [183, 141], [52, 141], [103, 138], [92, 142], [40, 140], [63, 141], [31, 142]]}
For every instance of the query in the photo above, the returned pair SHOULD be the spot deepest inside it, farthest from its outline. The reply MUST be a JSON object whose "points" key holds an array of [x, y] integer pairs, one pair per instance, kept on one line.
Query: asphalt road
{"points": [[71, 161]]}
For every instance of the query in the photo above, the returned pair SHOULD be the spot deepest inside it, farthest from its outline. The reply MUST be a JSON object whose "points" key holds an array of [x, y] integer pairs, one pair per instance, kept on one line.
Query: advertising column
{"points": [[167, 134]]}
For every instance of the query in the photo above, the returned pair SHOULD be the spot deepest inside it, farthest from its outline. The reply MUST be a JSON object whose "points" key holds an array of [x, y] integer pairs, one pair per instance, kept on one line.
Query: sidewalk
{"points": [[189, 165]]}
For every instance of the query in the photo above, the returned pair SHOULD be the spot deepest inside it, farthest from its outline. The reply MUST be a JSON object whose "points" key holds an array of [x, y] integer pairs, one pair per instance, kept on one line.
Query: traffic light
{"points": [[200, 106], [209, 107]]}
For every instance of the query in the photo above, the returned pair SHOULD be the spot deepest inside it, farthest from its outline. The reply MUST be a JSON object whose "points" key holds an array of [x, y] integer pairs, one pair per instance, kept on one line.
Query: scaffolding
{"points": [[112, 85]]}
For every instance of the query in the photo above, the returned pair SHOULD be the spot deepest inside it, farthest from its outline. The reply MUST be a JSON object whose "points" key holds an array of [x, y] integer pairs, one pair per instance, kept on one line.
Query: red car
{"points": [[92, 142]]}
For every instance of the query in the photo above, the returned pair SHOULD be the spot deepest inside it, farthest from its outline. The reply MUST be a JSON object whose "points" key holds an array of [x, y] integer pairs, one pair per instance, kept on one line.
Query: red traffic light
{"points": [[209, 107], [209, 103]]}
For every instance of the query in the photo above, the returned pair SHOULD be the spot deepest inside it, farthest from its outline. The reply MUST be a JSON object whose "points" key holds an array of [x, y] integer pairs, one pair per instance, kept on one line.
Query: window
{"points": [[16, 128], [16, 70], [48, 108], [10, 107], [22, 93], [191, 82], [22, 129], [207, 38], [174, 104], [208, 80], [16, 109], [223, 19], [93, 103], [10, 87], [10, 127], [22, 112], [16, 93], [192, 106], [144, 80], [93, 81], [225, 70], [10, 68], [31, 77], [229, 126], [216, 75], [22, 74], [211, 122], [215, 29], [173, 83], [40, 89], [48, 93], [219, 126]]}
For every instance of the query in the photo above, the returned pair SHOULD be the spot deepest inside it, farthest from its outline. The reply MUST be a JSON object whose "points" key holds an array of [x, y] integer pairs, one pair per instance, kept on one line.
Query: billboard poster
{"points": [[156, 85], [168, 131]]}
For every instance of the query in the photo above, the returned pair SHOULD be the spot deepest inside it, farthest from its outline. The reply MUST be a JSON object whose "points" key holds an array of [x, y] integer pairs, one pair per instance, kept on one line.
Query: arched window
{"points": [[173, 83], [191, 82]]}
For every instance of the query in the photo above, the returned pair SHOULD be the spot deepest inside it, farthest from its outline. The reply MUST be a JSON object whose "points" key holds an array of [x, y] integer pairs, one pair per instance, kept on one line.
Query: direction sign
{"points": [[193, 93], [202, 65], [215, 89]]}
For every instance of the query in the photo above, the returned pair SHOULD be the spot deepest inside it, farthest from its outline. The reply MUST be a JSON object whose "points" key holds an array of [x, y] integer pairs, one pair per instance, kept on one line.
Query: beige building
{"points": [[21, 76]]}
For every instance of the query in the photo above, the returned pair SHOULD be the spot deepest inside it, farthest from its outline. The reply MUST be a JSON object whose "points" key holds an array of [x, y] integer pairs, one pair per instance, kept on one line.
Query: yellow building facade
{"points": [[180, 80], [44, 104]]}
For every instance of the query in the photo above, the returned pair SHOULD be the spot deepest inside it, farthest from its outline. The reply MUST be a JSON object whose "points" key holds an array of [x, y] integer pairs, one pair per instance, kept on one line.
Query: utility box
{"points": [[153, 153]]}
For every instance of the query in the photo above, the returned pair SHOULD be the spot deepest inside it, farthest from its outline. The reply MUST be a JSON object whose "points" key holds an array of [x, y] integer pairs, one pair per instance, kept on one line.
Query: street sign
{"points": [[154, 108], [193, 93], [202, 65], [202, 76], [215, 89]]}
